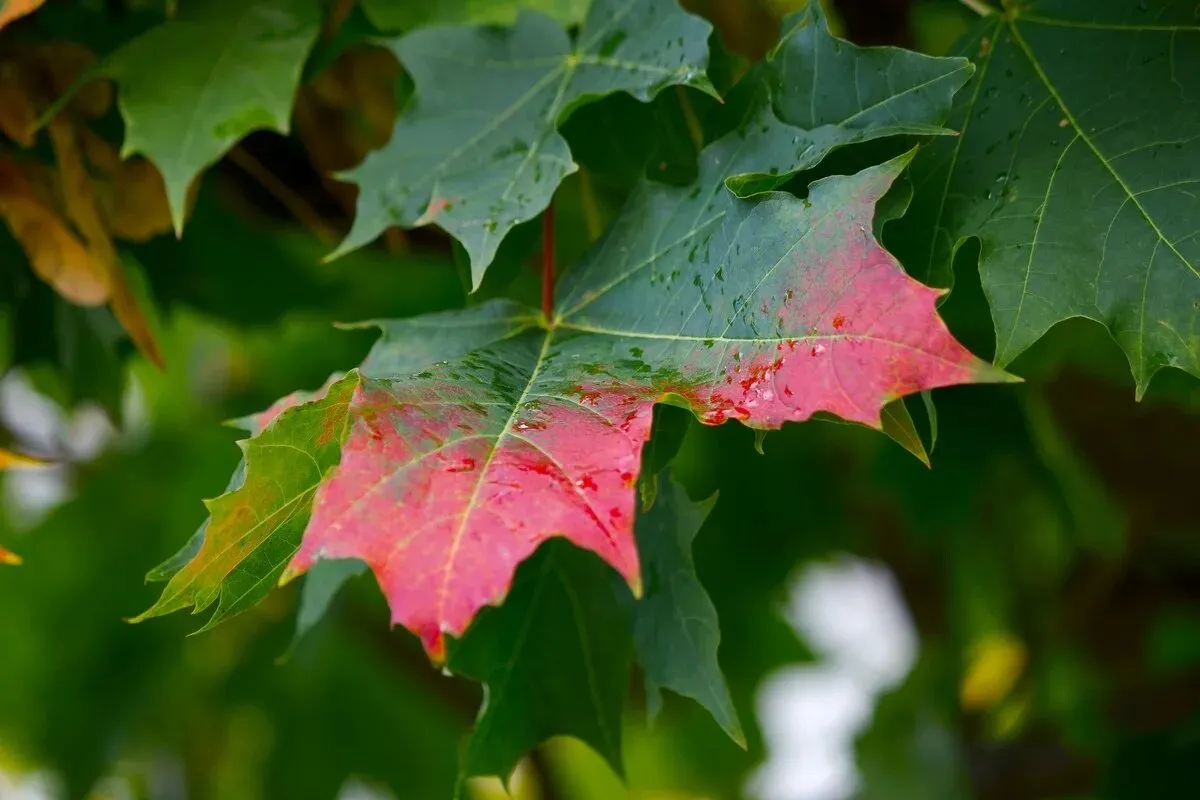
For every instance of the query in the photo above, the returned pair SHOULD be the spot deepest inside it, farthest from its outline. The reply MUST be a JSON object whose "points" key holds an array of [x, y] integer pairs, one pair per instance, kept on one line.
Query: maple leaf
{"points": [[472, 437], [675, 624], [478, 150], [233, 66], [562, 602], [1078, 212]]}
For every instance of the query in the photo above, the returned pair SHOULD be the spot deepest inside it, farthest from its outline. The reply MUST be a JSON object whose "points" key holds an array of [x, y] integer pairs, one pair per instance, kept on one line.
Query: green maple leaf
{"points": [[675, 625], [193, 86], [478, 151], [554, 660], [1078, 169]]}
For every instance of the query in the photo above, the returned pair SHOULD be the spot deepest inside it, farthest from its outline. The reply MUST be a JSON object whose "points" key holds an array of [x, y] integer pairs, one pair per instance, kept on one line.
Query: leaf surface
{"points": [[478, 151], [675, 627], [231, 67], [1080, 175], [554, 660]]}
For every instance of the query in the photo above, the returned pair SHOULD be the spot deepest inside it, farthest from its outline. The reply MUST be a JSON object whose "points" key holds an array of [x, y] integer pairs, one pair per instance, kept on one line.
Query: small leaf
{"points": [[255, 529], [232, 67], [554, 660], [15, 9], [478, 150], [675, 627]]}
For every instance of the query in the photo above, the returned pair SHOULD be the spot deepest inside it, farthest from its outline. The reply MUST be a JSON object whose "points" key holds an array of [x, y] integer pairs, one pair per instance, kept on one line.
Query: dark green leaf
{"points": [[478, 150], [1077, 169], [554, 660], [675, 627]]}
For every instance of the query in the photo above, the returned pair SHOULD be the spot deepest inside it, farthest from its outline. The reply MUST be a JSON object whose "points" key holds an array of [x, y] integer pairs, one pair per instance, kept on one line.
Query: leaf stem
{"points": [[296, 205], [979, 7], [548, 264]]}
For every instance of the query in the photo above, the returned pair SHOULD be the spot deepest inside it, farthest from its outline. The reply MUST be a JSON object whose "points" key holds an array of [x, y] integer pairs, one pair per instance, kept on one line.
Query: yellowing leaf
{"points": [[55, 253], [14, 9], [84, 212], [994, 664], [11, 460], [9, 557]]}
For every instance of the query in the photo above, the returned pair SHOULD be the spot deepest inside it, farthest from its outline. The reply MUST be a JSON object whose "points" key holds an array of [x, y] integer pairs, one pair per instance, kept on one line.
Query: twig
{"points": [[548, 264], [979, 7], [293, 202]]}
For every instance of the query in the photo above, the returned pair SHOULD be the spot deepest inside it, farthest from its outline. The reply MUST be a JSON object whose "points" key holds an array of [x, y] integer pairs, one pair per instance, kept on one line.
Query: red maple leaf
{"points": [[450, 478]]}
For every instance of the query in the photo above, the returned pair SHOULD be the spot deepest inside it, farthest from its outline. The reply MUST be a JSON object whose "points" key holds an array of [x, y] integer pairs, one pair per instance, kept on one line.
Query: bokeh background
{"points": [[1020, 621]]}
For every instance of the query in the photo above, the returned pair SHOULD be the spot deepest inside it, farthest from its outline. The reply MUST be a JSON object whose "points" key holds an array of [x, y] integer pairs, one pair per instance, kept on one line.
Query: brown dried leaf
{"points": [[55, 253], [131, 193], [83, 210]]}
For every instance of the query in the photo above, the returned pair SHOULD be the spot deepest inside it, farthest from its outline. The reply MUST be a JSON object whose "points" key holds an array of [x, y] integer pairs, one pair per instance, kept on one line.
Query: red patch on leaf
{"points": [[444, 540]]}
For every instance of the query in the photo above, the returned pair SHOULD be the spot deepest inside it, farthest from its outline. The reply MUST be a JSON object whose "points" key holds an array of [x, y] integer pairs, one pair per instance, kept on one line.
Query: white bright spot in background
{"points": [[852, 614], [42, 428]]}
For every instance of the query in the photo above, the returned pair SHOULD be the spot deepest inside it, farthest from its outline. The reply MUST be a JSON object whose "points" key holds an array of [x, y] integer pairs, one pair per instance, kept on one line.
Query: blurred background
{"points": [[1020, 621]]}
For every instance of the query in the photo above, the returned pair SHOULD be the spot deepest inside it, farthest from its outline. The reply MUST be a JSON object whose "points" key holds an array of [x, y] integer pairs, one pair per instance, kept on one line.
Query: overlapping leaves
{"points": [[470, 438], [1078, 169], [225, 68], [479, 151]]}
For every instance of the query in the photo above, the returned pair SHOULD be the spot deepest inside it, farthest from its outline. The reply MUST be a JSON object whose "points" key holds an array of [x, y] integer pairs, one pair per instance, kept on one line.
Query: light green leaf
{"points": [[190, 88], [478, 151], [675, 627], [255, 529], [1078, 169]]}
